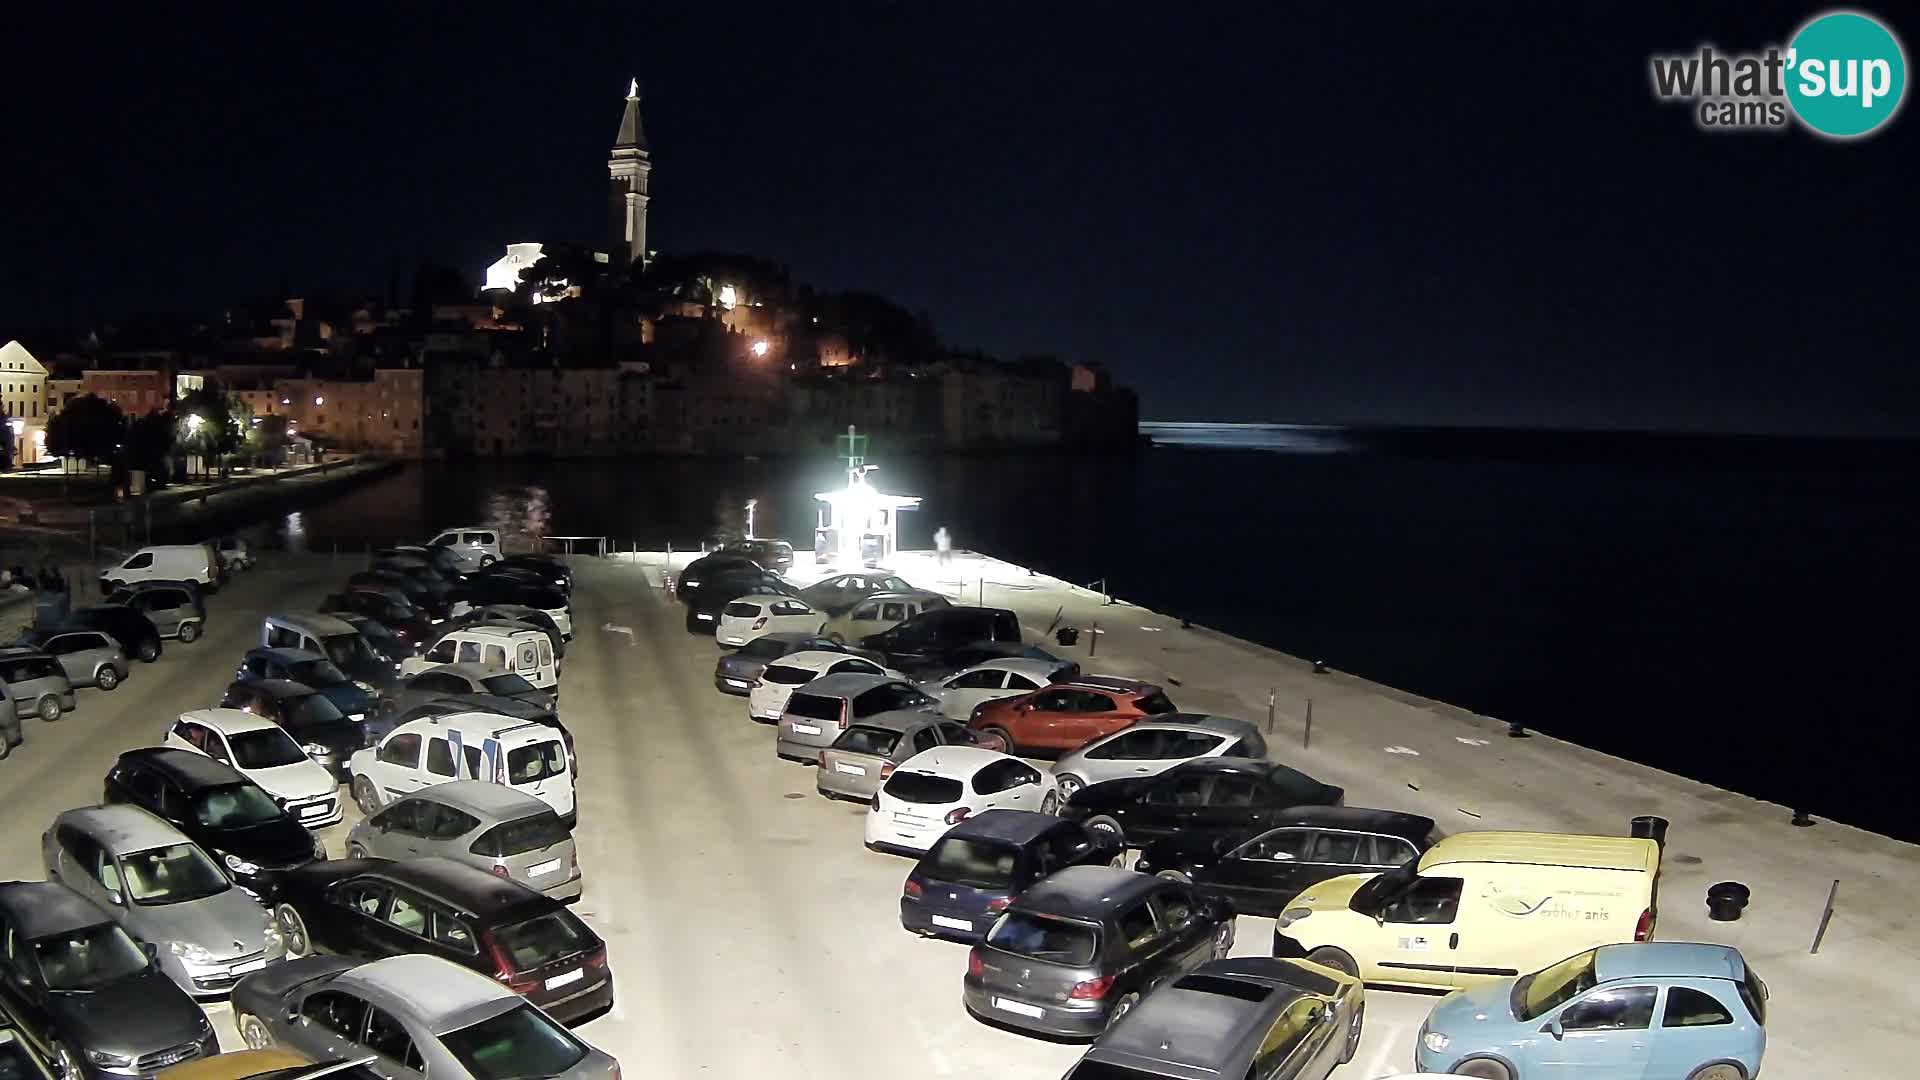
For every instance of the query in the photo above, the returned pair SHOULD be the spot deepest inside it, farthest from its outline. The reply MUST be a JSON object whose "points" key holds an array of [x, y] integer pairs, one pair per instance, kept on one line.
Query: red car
{"points": [[1068, 715]]}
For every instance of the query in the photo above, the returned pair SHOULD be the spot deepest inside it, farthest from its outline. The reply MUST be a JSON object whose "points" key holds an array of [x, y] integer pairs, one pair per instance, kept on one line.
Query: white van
{"points": [[525, 756], [527, 652], [1477, 906], [474, 546], [165, 562]]}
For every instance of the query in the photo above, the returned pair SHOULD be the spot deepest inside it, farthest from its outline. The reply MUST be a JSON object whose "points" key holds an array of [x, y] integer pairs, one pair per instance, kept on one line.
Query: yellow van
{"points": [[1477, 906]]}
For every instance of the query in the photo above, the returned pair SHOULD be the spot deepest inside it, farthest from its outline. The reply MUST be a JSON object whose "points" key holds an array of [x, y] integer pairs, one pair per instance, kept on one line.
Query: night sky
{"points": [[1433, 215]]}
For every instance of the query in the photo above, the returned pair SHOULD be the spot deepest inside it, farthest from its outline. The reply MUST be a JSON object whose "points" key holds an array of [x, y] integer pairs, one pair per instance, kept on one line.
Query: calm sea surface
{"points": [[1737, 611]]}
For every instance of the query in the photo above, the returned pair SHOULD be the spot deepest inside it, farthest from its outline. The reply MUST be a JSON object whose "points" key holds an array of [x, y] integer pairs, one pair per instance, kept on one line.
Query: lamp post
{"points": [[751, 503]]}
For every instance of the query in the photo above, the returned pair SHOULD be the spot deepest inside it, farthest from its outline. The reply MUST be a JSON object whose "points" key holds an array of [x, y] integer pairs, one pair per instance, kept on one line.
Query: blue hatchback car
{"points": [[1652, 1009], [970, 875]]}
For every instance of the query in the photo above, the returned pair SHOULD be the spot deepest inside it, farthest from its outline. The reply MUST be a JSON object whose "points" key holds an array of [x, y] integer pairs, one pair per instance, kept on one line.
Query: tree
{"points": [[267, 439], [89, 427], [211, 423], [150, 446]]}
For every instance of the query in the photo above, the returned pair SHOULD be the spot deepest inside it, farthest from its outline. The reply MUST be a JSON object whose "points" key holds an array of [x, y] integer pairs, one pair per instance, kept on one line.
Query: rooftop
{"points": [[121, 828], [41, 908], [434, 988], [1549, 849], [1085, 891]]}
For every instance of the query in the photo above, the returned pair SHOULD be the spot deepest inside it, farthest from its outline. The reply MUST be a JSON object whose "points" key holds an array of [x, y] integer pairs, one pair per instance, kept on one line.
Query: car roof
{"points": [[1545, 849], [43, 908], [1411, 827], [763, 598], [1086, 891], [121, 827], [1112, 683], [313, 620], [496, 801], [844, 684], [284, 688], [233, 721], [1024, 665], [1668, 959], [957, 762], [483, 630], [284, 654], [469, 669], [899, 720], [1200, 1022], [471, 889], [1013, 826], [184, 766], [496, 723], [1243, 766], [435, 989], [464, 528], [493, 703], [815, 660]]}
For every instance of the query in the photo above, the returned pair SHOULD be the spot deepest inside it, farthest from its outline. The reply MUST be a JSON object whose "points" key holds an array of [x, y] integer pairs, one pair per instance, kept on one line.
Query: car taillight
{"points": [[999, 903], [886, 769], [845, 707], [597, 959], [1092, 989], [957, 815], [500, 870], [760, 623], [911, 889], [975, 966], [1643, 930], [503, 970]]}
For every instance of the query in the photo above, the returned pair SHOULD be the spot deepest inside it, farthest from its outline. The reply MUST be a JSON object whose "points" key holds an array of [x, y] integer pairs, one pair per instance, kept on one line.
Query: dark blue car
{"points": [[352, 697], [970, 875]]}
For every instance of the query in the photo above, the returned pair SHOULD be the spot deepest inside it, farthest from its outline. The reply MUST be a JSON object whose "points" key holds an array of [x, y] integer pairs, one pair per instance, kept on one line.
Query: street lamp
{"points": [[319, 401], [751, 503], [760, 348]]}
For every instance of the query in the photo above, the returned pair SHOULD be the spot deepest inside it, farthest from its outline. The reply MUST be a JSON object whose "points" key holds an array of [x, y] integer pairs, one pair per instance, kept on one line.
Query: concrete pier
{"points": [[751, 934]]}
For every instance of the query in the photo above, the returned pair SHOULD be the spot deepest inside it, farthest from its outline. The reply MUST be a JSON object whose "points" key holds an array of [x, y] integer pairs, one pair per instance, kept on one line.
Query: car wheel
{"points": [[1180, 876], [355, 851], [1338, 960], [1223, 940], [6, 745], [107, 677], [293, 930], [1070, 786], [1050, 805], [1353, 1035], [1121, 1008], [48, 708], [149, 651], [1719, 1070], [188, 632], [1484, 1068], [365, 796], [65, 1065], [1108, 826], [996, 738], [253, 1032]]}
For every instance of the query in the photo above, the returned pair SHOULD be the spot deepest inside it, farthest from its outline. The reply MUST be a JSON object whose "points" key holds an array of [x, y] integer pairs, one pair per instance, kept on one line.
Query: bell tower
{"points": [[627, 172]]}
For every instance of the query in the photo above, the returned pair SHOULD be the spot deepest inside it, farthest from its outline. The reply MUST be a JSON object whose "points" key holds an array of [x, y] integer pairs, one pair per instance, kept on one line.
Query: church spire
{"points": [[628, 168], [632, 136]]}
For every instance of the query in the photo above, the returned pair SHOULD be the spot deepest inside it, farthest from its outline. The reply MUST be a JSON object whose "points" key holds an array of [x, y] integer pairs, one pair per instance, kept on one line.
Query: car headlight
{"points": [[271, 936], [1435, 1041], [367, 686], [190, 952], [239, 865], [109, 1061], [319, 848], [315, 749], [1292, 915], [357, 717]]}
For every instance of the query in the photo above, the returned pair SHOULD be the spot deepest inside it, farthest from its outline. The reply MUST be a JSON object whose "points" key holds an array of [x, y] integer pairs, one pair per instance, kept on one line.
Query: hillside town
{"points": [[572, 350]]}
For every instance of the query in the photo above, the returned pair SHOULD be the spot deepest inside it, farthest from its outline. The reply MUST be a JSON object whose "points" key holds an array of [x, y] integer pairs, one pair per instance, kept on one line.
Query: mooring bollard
{"points": [[1516, 730], [1802, 819]]}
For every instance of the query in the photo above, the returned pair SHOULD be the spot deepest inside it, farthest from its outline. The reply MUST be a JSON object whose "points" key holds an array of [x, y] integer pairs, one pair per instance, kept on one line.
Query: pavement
{"points": [[752, 934]]}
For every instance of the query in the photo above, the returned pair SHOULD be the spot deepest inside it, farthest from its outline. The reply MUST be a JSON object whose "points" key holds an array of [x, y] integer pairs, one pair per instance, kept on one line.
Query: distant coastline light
{"points": [[728, 297], [760, 348], [319, 401]]}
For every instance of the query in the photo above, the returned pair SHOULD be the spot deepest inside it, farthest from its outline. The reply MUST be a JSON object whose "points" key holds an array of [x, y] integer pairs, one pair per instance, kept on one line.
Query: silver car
{"points": [[866, 753], [89, 657], [417, 1014], [485, 825], [819, 711], [162, 888], [35, 683], [1148, 749]]}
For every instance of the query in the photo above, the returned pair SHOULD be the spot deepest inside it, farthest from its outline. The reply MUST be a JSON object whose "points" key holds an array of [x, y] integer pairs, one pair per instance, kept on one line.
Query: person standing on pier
{"points": [[943, 545]]}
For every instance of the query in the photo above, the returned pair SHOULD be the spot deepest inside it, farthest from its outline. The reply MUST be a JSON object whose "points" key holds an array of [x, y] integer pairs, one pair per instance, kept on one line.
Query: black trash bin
{"points": [[1648, 827], [1726, 900], [1067, 636]]}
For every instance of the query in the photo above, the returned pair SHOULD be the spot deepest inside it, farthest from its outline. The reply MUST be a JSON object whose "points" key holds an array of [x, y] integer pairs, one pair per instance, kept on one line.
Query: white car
{"points": [[936, 789], [881, 611], [474, 546], [527, 756], [748, 617], [1151, 748], [965, 691], [264, 753], [767, 700]]}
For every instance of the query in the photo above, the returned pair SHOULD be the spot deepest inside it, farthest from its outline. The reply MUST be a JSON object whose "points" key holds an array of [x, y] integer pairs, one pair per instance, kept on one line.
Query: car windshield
{"points": [[507, 685], [542, 940], [979, 864], [867, 740], [345, 650], [14, 1064], [265, 748], [919, 787], [787, 675], [82, 960], [235, 806], [173, 874], [532, 764], [1038, 937], [514, 1045], [313, 710], [814, 707], [318, 674], [542, 830], [1543, 991]]}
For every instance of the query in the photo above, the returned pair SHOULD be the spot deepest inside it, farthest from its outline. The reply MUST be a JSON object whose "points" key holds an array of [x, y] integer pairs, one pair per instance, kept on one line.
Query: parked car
{"points": [[484, 589], [840, 592], [1151, 748], [19, 1059], [1477, 906], [965, 691], [774, 555], [1260, 868], [89, 657], [441, 558], [85, 994], [976, 868], [737, 671], [324, 733], [934, 643], [332, 637], [816, 713], [1271, 1019], [512, 708], [166, 562], [421, 569], [175, 608], [716, 591], [35, 684], [353, 697], [445, 679], [475, 546], [437, 606], [12, 733], [400, 618], [767, 697], [881, 612], [134, 632], [488, 826], [1076, 952], [974, 653], [1649, 1009], [234, 552], [554, 571], [517, 616], [414, 1012], [162, 888], [868, 751], [387, 645], [527, 570], [1206, 794], [528, 757], [525, 651], [265, 753], [276, 1064], [1068, 716], [232, 818], [939, 788], [693, 577], [371, 908], [748, 617]]}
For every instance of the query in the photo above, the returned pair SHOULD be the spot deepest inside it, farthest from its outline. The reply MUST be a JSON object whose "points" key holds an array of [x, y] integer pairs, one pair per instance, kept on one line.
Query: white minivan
{"points": [[474, 546], [164, 562], [525, 756], [526, 652]]}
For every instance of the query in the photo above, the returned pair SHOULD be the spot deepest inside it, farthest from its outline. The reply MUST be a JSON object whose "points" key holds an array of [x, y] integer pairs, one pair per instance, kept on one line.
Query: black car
{"points": [[774, 555], [314, 721], [1262, 867], [387, 645], [90, 998], [351, 696], [230, 816], [137, 635], [534, 568], [693, 577], [1210, 794], [1079, 950], [441, 559], [934, 642], [435, 605], [20, 1059], [703, 606], [450, 680], [374, 908], [480, 591], [970, 875], [735, 672], [403, 621], [529, 711], [419, 569]]}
